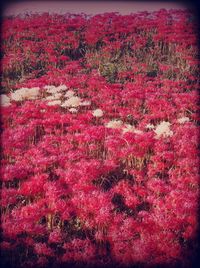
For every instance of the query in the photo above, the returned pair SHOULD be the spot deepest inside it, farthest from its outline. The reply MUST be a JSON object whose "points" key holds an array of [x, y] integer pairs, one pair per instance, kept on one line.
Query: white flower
{"points": [[150, 126], [98, 113], [85, 103], [62, 88], [50, 98], [73, 110], [49, 87], [128, 128], [52, 90], [137, 131], [114, 124], [55, 102], [32, 93], [69, 94], [72, 102], [5, 100], [17, 95], [163, 129], [57, 96], [63, 105], [183, 120], [25, 93]]}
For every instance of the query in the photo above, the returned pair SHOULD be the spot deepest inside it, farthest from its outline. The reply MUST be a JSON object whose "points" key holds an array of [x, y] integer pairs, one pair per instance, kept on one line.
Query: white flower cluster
{"points": [[65, 98], [97, 113], [53, 89], [54, 102], [73, 101], [130, 128], [118, 124], [20, 95], [115, 123], [73, 110], [69, 94], [85, 103], [25, 94], [5, 100], [150, 126], [163, 130], [55, 94], [183, 120]]}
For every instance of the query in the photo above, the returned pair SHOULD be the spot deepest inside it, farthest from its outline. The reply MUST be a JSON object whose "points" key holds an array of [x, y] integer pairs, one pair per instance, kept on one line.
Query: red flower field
{"points": [[100, 152]]}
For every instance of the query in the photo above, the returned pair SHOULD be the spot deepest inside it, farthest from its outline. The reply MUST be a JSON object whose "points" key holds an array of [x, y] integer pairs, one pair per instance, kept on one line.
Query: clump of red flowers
{"points": [[100, 139]]}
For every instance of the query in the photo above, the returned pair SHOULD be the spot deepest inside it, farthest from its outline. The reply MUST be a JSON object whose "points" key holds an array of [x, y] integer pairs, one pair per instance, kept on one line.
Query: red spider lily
{"points": [[43, 249], [55, 236]]}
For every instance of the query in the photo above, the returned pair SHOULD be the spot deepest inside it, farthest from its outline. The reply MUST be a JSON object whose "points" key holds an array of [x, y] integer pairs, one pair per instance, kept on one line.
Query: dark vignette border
{"points": [[190, 4]]}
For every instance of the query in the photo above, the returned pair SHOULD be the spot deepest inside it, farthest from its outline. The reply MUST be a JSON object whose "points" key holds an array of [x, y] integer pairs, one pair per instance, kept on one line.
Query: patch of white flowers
{"points": [[20, 95], [65, 98], [150, 126], [97, 113], [163, 130], [72, 102], [69, 94], [130, 128], [53, 95], [54, 102], [62, 88], [118, 124], [5, 100], [73, 110], [53, 89], [25, 94], [183, 120], [115, 123], [85, 103]]}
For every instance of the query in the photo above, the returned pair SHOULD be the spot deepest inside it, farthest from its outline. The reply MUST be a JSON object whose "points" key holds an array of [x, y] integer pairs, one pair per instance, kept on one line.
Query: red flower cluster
{"points": [[100, 139]]}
